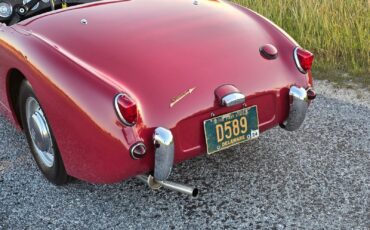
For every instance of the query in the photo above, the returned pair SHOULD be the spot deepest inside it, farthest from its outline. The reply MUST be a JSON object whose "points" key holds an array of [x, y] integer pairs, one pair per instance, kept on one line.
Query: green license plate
{"points": [[230, 129]]}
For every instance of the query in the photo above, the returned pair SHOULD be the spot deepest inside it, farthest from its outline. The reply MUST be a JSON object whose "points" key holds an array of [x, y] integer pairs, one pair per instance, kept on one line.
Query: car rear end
{"points": [[184, 80]]}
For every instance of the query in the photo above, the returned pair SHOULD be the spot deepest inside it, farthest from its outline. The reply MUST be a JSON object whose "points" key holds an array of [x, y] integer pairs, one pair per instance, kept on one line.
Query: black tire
{"points": [[56, 172]]}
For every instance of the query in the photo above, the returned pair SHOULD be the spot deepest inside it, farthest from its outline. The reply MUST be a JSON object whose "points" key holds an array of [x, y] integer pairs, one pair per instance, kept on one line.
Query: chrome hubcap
{"points": [[39, 132]]}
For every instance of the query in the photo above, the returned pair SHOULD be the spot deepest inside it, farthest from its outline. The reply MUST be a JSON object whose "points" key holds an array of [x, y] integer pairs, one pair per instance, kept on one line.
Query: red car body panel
{"points": [[154, 51]]}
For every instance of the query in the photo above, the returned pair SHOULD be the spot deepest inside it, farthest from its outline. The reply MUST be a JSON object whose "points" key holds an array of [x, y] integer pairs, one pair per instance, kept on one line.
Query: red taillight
{"points": [[126, 109], [303, 59]]}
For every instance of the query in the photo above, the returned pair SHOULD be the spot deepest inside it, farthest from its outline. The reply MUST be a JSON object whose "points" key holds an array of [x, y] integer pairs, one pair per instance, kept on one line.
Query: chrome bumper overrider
{"points": [[299, 103], [164, 153]]}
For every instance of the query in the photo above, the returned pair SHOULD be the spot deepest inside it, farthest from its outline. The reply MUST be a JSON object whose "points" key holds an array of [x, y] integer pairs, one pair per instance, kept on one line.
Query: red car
{"points": [[108, 90]]}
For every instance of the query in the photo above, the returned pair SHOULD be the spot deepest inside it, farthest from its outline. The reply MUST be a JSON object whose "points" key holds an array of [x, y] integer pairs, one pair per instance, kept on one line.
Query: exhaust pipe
{"points": [[154, 184]]}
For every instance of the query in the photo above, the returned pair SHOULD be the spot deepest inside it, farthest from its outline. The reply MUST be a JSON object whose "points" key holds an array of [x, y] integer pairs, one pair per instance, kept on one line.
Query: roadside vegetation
{"points": [[336, 31]]}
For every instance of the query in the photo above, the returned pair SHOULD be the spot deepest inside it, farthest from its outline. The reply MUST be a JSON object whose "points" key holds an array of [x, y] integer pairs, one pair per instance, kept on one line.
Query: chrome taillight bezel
{"points": [[118, 112], [296, 60]]}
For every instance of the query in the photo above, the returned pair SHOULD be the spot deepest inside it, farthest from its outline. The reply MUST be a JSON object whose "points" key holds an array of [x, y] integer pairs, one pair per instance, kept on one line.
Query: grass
{"points": [[336, 31]]}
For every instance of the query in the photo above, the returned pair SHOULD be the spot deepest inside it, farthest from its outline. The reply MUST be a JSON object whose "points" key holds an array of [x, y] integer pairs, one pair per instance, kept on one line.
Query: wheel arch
{"points": [[13, 84]]}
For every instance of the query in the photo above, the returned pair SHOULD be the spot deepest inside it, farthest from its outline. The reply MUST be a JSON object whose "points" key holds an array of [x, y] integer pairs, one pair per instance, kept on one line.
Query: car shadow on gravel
{"points": [[315, 177]]}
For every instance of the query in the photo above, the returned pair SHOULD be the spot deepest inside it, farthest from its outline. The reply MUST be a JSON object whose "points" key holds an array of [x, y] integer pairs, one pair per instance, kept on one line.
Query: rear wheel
{"points": [[40, 137]]}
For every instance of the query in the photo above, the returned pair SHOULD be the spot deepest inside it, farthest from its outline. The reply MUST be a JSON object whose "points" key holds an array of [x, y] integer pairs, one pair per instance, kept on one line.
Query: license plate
{"points": [[231, 129]]}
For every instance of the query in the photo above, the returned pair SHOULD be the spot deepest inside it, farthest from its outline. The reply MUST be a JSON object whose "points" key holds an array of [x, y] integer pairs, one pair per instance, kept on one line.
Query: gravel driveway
{"points": [[317, 177]]}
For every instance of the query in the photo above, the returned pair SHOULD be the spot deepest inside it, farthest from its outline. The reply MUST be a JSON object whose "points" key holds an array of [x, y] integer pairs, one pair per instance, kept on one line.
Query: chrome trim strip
{"points": [[296, 60], [164, 153], [178, 98], [298, 108], [233, 99], [132, 151], [121, 118]]}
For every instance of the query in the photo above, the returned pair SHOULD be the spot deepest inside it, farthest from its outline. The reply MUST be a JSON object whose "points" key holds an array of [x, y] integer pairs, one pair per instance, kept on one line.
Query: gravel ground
{"points": [[317, 177]]}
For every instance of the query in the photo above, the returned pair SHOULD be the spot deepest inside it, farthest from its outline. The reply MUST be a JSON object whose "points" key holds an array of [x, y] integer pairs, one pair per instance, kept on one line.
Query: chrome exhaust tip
{"points": [[155, 185]]}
